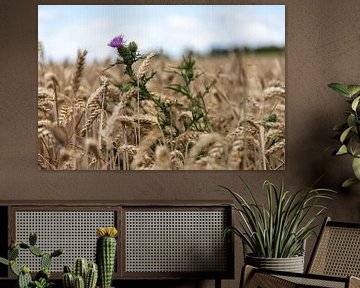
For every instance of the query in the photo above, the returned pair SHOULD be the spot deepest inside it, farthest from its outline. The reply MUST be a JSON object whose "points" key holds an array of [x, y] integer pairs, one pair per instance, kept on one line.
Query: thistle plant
{"points": [[128, 56], [42, 278], [106, 254], [279, 229], [199, 120], [349, 132]]}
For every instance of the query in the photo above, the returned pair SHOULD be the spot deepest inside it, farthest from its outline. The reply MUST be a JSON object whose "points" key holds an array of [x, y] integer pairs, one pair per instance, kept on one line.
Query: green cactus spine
{"points": [[80, 268], [45, 261], [36, 251], [13, 253], [24, 279], [79, 282], [32, 238], [91, 276], [105, 258], [68, 280]]}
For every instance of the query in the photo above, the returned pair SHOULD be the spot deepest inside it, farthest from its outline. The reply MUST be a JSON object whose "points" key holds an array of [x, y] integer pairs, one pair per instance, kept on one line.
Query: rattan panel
{"points": [[338, 253], [312, 282], [75, 231], [175, 241]]}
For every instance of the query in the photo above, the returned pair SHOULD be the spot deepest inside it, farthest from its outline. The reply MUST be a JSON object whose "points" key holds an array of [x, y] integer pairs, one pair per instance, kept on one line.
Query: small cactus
{"points": [[4, 261], [32, 239], [43, 274], [57, 252], [14, 268], [45, 261], [83, 274], [36, 251], [24, 280], [91, 276], [23, 273], [13, 253], [80, 268], [79, 282], [106, 254]]}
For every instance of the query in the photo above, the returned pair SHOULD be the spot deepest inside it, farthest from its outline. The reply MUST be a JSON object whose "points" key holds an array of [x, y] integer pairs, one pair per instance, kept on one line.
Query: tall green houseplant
{"points": [[348, 132], [280, 228]]}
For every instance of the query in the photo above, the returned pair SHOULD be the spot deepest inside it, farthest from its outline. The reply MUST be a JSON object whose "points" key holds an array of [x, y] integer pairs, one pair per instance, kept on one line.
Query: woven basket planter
{"points": [[291, 264]]}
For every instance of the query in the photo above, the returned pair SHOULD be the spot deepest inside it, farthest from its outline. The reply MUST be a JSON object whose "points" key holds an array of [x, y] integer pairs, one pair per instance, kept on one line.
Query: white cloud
{"points": [[172, 31], [46, 15]]}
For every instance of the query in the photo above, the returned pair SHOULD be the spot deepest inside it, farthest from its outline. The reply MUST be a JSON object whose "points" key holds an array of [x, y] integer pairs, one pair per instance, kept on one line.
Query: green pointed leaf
{"points": [[355, 103], [356, 167], [353, 89], [345, 134], [351, 120], [342, 150], [340, 88], [4, 261], [354, 145], [349, 182]]}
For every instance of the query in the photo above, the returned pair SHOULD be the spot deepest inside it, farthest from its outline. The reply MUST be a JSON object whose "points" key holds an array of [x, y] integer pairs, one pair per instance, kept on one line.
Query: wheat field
{"points": [[90, 119]]}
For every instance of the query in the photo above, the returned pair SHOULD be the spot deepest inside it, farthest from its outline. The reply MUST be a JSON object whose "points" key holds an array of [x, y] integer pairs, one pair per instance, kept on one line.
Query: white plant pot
{"points": [[291, 264]]}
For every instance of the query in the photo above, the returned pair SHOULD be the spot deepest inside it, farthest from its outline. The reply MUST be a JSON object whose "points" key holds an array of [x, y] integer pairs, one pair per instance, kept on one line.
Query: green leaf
{"points": [[345, 134], [351, 120], [14, 268], [4, 261], [353, 89], [340, 88], [355, 103], [354, 145], [356, 167], [342, 150], [349, 182]]}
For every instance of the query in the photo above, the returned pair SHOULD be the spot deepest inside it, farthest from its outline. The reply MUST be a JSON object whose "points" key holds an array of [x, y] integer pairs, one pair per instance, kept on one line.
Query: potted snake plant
{"points": [[274, 234]]}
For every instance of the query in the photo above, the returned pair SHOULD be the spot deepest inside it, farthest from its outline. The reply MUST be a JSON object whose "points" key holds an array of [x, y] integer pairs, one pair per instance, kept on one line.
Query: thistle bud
{"points": [[133, 46]]}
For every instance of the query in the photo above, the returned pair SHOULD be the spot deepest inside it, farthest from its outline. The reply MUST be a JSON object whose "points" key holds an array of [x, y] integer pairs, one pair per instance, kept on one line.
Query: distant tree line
{"points": [[247, 50]]}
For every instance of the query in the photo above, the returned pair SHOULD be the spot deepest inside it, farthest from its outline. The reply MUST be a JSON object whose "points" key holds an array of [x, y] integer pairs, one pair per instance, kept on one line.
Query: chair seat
{"points": [[315, 282], [335, 262], [263, 278]]}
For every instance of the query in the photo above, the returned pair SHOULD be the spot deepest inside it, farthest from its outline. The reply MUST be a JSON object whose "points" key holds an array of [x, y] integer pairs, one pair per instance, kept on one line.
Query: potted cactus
{"points": [[106, 254], [42, 278], [84, 275]]}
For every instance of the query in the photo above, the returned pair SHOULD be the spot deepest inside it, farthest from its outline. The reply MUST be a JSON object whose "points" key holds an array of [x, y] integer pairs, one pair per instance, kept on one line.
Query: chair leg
{"points": [[354, 282], [217, 283], [246, 273], [250, 278]]}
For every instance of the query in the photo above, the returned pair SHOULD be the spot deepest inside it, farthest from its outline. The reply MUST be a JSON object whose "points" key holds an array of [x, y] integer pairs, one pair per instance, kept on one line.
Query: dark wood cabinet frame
{"points": [[9, 209]]}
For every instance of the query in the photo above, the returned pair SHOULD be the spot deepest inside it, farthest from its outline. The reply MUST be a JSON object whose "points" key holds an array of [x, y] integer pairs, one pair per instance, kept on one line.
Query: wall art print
{"points": [[161, 87]]}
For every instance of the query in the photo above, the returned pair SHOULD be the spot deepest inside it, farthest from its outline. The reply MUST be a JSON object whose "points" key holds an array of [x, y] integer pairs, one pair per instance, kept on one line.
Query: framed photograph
{"points": [[161, 87]]}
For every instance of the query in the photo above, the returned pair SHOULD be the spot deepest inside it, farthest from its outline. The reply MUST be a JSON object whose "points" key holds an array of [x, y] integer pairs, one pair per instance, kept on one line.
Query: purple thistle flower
{"points": [[117, 42]]}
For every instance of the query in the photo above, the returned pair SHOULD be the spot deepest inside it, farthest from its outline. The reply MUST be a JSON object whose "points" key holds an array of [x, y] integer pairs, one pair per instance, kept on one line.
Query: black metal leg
{"points": [[217, 283]]}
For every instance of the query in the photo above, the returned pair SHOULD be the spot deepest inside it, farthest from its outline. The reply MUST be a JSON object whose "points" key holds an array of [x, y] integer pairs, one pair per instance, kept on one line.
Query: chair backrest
{"points": [[337, 251]]}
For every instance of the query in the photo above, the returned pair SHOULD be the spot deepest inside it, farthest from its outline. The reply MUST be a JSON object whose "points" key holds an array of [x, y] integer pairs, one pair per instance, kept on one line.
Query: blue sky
{"points": [[64, 29]]}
